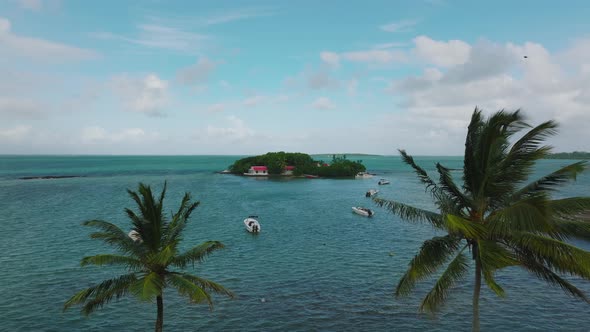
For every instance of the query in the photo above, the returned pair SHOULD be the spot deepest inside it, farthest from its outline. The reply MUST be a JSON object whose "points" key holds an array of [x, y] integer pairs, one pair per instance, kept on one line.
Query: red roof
{"points": [[259, 168], [289, 168]]}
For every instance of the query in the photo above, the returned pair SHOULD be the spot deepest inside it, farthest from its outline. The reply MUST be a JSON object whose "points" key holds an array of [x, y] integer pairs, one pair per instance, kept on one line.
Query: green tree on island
{"points": [[150, 254], [496, 215]]}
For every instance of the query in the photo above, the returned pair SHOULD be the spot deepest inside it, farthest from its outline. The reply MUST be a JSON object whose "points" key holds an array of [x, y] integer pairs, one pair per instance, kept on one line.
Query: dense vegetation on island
{"points": [[304, 164], [496, 217], [576, 155]]}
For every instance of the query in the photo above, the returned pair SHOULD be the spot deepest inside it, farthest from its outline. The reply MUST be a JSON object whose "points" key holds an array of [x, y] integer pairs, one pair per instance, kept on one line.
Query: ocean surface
{"points": [[314, 267]]}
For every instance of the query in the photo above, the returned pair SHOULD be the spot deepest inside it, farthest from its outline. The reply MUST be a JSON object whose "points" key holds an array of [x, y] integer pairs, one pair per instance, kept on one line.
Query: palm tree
{"points": [[150, 254], [503, 220]]}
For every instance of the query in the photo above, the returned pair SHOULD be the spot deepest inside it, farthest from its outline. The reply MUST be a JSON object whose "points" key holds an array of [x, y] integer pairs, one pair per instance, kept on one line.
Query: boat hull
{"points": [[362, 211], [252, 225]]}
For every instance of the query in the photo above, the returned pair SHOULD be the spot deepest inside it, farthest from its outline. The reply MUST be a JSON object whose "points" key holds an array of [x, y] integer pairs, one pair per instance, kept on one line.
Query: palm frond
{"points": [[207, 284], [102, 293], [196, 254], [466, 228], [108, 259], [114, 236], [447, 184], [551, 181], [542, 272], [164, 256], [180, 218], [566, 228], [422, 174], [187, 288], [528, 214], [471, 172], [433, 254], [148, 286], [518, 163], [494, 257], [570, 208], [553, 253], [455, 271], [410, 213]]}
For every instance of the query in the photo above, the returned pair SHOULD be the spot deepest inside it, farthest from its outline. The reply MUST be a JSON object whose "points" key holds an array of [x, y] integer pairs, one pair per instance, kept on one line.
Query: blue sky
{"points": [[245, 77]]}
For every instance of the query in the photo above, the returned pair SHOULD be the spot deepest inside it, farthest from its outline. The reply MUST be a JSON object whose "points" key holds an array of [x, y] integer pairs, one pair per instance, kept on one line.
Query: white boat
{"points": [[371, 192], [363, 211], [252, 224], [134, 235], [363, 175], [383, 181]]}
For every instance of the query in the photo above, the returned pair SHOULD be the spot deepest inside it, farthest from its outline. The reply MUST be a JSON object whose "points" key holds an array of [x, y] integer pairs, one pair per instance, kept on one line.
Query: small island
{"points": [[576, 155], [296, 164]]}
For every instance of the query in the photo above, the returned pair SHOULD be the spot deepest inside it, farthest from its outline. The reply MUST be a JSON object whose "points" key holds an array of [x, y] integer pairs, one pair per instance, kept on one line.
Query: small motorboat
{"points": [[371, 192], [382, 182], [310, 176], [363, 211], [363, 175], [252, 224], [134, 235]]}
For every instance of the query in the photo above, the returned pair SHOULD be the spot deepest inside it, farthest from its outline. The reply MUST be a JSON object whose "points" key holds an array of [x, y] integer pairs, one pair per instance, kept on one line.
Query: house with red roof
{"points": [[263, 171]]}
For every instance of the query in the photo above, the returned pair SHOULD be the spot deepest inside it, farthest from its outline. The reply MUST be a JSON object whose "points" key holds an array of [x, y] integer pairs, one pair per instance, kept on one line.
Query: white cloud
{"points": [[375, 56], [34, 5], [321, 79], [372, 57], [495, 76], [441, 53], [236, 14], [330, 58], [160, 37], [383, 46], [197, 73], [219, 107], [17, 133], [11, 107], [352, 87], [254, 100], [99, 135], [13, 45], [323, 103], [148, 95], [399, 26], [236, 130]]}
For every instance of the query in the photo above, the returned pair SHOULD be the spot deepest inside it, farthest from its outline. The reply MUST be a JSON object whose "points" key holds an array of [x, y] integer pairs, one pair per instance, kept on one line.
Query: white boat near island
{"points": [[363, 211], [252, 224], [371, 192], [383, 181], [363, 175]]}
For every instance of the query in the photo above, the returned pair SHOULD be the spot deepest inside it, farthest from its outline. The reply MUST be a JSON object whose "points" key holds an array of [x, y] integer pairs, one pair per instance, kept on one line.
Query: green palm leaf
{"points": [[410, 213], [433, 254], [466, 228], [552, 181], [494, 257], [147, 287], [187, 288], [196, 254], [102, 293], [455, 271], [542, 272], [108, 259], [555, 254]]}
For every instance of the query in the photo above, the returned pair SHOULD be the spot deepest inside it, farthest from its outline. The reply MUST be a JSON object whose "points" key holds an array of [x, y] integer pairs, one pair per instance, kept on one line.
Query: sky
{"points": [[248, 77]]}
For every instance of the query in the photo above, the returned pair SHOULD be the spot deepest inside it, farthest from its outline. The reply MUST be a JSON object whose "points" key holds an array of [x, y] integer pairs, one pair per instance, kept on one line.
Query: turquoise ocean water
{"points": [[317, 266]]}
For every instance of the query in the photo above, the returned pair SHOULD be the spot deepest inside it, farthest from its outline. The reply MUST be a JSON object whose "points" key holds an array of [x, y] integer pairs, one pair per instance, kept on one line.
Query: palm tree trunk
{"points": [[476, 290], [160, 319]]}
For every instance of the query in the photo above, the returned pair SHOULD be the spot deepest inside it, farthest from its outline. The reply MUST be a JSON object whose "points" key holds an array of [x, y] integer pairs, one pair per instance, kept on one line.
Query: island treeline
{"points": [[276, 162], [576, 155]]}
